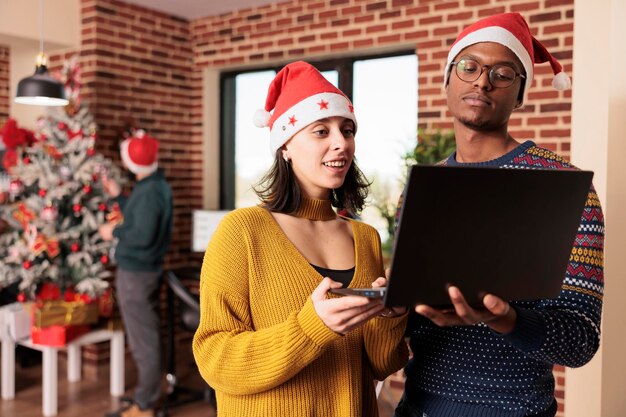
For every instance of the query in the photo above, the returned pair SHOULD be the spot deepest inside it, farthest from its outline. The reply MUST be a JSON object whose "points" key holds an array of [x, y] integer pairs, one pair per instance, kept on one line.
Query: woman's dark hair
{"points": [[280, 192]]}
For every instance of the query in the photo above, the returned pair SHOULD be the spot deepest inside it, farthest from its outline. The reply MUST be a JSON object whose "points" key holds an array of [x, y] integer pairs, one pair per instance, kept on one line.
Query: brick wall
{"points": [[147, 66], [297, 29], [136, 68], [5, 100]]}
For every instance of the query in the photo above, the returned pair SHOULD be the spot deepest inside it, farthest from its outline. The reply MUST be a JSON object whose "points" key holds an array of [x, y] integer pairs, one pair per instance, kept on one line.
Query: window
{"points": [[384, 93]]}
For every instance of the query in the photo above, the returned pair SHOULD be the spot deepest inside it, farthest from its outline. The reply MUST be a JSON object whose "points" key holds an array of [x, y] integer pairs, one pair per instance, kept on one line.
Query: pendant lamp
{"points": [[41, 89]]}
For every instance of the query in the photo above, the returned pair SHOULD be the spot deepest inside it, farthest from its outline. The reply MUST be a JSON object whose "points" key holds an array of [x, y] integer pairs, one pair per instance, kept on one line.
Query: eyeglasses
{"points": [[500, 76]]}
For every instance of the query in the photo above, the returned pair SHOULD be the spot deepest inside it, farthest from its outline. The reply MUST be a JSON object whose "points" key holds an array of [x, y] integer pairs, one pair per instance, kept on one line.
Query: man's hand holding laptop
{"points": [[496, 313]]}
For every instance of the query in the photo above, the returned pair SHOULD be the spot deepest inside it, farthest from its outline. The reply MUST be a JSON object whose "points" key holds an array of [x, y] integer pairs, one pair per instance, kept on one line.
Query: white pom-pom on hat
{"points": [[261, 118], [561, 81]]}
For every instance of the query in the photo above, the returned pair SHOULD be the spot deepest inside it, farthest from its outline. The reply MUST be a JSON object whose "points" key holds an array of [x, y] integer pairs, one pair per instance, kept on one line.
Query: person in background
{"points": [[497, 360], [143, 239], [272, 339]]}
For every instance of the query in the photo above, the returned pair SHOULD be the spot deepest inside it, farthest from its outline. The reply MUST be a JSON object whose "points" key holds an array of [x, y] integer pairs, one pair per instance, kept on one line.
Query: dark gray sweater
{"points": [[146, 231]]}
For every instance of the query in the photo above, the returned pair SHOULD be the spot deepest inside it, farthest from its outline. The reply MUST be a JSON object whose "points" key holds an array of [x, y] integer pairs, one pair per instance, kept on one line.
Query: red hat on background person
{"points": [[512, 31], [140, 153], [298, 96]]}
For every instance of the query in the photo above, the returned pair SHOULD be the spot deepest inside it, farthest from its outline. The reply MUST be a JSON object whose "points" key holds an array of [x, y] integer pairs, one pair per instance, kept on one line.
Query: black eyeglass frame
{"points": [[455, 64]]}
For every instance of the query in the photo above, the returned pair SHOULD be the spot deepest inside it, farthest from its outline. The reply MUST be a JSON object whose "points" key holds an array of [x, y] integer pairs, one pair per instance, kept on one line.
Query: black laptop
{"points": [[508, 232]]}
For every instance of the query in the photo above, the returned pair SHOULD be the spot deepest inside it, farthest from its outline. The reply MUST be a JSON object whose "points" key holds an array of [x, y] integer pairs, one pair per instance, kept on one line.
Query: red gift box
{"points": [[57, 335]]}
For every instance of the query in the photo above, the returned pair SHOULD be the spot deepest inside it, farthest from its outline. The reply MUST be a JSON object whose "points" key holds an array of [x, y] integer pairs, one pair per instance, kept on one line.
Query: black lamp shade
{"points": [[41, 89]]}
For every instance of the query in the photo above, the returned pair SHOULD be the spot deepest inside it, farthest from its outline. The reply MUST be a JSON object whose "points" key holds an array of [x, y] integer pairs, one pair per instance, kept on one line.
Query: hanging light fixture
{"points": [[41, 89]]}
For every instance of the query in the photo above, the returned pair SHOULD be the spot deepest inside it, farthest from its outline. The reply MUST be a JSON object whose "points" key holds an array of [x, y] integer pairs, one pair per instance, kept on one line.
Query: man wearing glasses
{"points": [[497, 360]]}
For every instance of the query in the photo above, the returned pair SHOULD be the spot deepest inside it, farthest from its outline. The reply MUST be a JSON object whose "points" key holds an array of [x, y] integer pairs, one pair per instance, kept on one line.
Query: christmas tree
{"points": [[54, 200]]}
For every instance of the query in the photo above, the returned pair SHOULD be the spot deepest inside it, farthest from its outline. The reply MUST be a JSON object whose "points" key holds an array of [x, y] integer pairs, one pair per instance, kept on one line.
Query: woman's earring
{"points": [[287, 161]]}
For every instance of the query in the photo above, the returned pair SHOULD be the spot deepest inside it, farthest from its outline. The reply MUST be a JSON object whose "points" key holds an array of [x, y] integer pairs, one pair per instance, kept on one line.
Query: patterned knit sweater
{"points": [[261, 345], [471, 371]]}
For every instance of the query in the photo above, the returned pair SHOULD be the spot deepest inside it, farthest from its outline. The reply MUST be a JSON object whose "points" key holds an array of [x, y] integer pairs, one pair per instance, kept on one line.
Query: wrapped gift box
{"points": [[58, 335], [64, 313]]}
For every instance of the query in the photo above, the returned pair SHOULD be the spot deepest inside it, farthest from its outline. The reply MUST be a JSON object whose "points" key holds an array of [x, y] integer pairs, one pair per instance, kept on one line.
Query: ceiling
{"points": [[194, 9]]}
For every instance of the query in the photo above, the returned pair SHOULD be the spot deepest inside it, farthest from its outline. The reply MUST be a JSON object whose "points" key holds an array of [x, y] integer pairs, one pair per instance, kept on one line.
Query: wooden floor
{"points": [[90, 397]]}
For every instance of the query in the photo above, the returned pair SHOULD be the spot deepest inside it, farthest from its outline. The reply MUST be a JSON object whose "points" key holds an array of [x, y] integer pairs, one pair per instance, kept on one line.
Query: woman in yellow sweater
{"points": [[272, 340]]}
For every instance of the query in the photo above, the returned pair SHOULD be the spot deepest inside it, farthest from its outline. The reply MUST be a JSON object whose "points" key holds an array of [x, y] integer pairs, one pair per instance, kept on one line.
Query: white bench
{"points": [[50, 369]]}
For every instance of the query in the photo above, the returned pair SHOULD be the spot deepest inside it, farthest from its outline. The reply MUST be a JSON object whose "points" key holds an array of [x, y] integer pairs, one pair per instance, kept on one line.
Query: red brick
{"points": [[389, 39], [446, 31], [398, 3], [542, 121], [351, 32], [558, 133], [340, 46], [377, 28], [447, 5], [416, 35], [329, 35], [555, 3], [560, 29], [375, 6], [364, 18], [491, 11], [541, 95], [460, 16], [545, 17], [430, 19], [351, 10], [363, 43], [417, 10], [402, 24]]}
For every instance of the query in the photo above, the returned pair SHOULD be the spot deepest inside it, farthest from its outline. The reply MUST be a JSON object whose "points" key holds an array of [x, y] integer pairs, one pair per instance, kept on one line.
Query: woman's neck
{"points": [[313, 209]]}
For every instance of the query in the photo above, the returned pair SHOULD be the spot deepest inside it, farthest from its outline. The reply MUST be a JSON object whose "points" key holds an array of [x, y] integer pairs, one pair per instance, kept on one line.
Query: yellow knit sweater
{"points": [[260, 343]]}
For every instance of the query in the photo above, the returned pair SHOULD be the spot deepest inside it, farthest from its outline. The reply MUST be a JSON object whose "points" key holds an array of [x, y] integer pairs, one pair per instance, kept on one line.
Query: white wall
{"points": [[598, 143]]}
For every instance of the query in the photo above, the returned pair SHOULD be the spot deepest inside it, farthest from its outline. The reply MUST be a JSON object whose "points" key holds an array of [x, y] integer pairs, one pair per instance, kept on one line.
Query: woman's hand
{"points": [[343, 314], [497, 313], [388, 312]]}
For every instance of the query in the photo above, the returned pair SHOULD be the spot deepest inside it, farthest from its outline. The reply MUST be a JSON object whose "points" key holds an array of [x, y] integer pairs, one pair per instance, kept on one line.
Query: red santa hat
{"points": [[298, 96], [140, 153], [512, 31]]}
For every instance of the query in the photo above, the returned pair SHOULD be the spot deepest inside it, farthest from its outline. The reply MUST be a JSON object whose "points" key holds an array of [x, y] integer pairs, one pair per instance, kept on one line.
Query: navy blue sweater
{"points": [[471, 371]]}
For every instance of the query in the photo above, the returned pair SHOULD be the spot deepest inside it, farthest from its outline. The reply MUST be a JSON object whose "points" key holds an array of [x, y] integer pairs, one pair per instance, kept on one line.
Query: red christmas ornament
{"points": [[42, 192], [102, 207], [27, 264], [26, 160], [94, 177], [61, 125], [104, 259], [21, 297], [74, 247], [87, 188], [77, 208], [16, 187], [49, 213], [91, 152]]}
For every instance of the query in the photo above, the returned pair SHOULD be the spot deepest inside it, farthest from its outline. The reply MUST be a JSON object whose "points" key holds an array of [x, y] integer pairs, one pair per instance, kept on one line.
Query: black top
{"points": [[340, 275]]}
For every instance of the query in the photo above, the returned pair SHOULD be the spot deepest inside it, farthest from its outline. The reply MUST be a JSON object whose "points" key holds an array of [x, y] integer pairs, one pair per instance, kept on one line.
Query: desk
{"points": [[50, 369]]}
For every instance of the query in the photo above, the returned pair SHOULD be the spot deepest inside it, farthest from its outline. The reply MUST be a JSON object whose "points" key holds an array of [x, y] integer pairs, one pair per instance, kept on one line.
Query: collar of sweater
{"points": [[315, 210]]}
